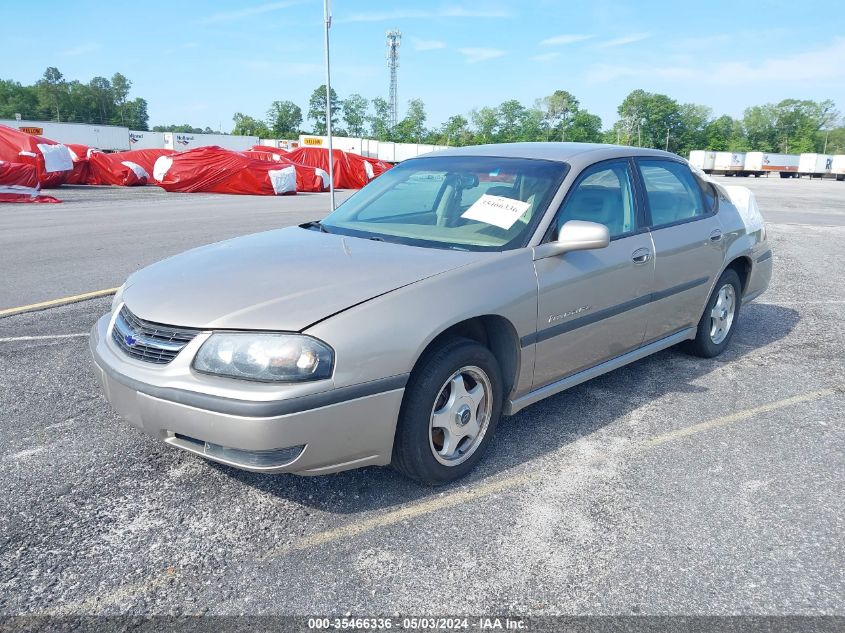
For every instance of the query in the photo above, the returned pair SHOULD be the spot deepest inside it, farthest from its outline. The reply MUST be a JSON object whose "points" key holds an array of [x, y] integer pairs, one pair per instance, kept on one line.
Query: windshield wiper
{"points": [[316, 224]]}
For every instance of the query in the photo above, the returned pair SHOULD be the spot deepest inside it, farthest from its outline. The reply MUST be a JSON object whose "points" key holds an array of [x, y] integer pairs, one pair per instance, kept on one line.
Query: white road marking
{"points": [[46, 337]]}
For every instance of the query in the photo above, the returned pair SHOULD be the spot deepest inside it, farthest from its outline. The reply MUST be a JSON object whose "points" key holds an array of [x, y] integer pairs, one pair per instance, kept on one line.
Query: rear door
{"points": [[688, 243], [593, 304]]}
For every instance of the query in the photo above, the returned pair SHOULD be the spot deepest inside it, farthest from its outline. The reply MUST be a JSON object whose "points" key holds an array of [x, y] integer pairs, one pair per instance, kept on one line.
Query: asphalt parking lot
{"points": [[675, 485]]}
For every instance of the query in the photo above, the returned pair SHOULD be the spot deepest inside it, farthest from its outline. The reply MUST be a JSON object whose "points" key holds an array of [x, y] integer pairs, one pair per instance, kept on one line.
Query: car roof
{"points": [[578, 155]]}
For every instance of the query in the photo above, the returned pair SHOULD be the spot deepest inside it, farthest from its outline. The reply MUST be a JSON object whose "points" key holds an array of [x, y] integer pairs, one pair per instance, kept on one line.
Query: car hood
{"points": [[285, 279]]}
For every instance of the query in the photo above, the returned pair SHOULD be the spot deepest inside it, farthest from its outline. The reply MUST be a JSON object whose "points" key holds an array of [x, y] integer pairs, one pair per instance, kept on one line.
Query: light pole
{"points": [[327, 15]]}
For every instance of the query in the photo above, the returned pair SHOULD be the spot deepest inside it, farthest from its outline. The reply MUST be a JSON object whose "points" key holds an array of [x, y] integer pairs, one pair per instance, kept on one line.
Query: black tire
{"points": [[702, 345], [412, 450]]}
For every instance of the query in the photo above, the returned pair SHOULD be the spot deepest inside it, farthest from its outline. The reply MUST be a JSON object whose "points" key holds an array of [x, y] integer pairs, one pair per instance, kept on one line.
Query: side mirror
{"points": [[575, 235]]}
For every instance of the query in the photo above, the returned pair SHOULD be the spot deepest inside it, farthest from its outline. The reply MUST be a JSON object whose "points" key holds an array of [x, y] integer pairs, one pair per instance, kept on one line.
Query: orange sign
{"points": [[310, 140], [38, 131]]}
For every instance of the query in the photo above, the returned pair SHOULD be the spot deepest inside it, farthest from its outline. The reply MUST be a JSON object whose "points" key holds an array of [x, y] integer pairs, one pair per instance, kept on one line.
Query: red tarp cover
{"points": [[19, 183], [145, 158], [351, 171], [267, 148], [109, 169], [308, 179], [18, 174], [346, 176], [52, 160], [217, 170], [79, 154]]}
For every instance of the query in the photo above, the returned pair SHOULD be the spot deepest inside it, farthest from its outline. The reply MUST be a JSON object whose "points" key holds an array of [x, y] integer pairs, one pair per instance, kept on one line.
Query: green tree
{"points": [[533, 126], [317, 109], [247, 126], [52, 90], [136, 114], [486, 123], [719, 133], [355, 114], [691, 132], [584, 128], [185, 127], [455, 131], [120, 87], [380, 120], [834, 141], [18, 99], [284, 119], [647, 118], [411, 129], [558, 108], [511, 117], [101, 92]]}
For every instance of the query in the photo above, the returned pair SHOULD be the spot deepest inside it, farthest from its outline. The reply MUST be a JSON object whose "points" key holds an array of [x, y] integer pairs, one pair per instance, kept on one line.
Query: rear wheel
{"points": [[717, 324], [452, 404]]}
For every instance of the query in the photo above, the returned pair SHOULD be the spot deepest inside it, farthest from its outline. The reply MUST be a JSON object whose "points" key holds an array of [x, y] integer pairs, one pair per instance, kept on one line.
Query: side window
{"points": [[672, 192], [603, 195]]}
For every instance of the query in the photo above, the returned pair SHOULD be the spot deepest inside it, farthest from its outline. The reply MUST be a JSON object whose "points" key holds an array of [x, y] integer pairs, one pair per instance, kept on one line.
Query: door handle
{"points": [[716, 235], [641, 256]]}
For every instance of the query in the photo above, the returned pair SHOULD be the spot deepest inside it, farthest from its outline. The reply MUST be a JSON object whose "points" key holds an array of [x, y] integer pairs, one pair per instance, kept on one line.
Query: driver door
{"points": [[593, 304]]}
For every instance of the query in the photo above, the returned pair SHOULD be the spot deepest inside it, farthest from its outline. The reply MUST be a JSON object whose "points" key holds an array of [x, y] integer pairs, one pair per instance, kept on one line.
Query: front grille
{"points": [[148, 341]]}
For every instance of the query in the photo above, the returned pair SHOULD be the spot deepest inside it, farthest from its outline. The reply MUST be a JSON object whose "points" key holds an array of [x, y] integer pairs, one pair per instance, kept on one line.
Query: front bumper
{"points": [[341, 428]]}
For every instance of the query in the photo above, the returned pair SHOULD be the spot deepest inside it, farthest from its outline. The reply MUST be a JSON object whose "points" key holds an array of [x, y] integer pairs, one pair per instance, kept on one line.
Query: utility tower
{"points": [[394, 37]]}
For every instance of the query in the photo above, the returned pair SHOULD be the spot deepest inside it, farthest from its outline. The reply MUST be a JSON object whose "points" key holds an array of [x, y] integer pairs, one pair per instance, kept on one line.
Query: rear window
{"points": [[708, 191]]}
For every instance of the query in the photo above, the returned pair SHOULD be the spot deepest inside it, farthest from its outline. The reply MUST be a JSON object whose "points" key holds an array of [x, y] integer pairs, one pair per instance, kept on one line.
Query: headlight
{"points": [[118, 297], [265, 357]]}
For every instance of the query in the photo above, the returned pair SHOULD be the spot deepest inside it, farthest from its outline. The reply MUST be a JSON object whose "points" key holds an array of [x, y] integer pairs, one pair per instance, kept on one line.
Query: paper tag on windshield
{"points": [[496, 210]]}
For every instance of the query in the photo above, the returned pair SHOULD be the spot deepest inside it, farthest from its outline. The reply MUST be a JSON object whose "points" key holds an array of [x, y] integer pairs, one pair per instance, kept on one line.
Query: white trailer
{"points": [[837, 166], [146, 140], [759, 163], [104, 137], [729, 163], [702, 159], [181, 141], [815, 165]]}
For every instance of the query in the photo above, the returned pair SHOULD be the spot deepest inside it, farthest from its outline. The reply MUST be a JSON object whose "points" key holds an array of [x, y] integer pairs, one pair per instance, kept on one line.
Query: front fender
{"points": [[386, 335]]}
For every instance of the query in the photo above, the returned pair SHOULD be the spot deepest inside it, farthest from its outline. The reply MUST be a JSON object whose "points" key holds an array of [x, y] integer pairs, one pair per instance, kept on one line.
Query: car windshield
{"points": [[479, 203]]}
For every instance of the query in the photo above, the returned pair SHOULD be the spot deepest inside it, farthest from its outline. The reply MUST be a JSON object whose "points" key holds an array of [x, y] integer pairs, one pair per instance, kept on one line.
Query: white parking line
{"points": [[46, 337]]}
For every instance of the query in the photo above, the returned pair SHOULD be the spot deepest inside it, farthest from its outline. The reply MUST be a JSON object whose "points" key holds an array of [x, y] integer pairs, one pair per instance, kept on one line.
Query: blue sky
{"points": [[199, 62]]}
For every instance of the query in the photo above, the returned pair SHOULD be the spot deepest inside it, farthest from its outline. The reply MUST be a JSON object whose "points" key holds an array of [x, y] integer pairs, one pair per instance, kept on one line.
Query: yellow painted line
{"points": [[53, 303], [96, 603], [93, 605], [486, 490]]}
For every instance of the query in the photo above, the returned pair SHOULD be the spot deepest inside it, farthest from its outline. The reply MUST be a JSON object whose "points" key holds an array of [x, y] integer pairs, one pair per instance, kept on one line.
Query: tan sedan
{"points": [[456, 288]]}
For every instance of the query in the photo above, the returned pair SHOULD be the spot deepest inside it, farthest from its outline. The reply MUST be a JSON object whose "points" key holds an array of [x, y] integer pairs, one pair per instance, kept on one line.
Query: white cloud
{"points": [[406, 14], [546, 57], [626, 39], [819, 65], [426, 45], [82, 49], [560, 40], [475, 55], [229, 16]]}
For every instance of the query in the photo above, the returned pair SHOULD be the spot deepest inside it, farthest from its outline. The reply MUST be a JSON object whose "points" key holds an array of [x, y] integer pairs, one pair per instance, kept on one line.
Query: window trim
{"points": [[639, 225], [647, 206]]}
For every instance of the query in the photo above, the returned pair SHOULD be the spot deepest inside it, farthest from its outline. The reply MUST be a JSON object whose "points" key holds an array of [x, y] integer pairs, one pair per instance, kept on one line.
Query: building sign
{"points": [[38, 131], [312, 140]]}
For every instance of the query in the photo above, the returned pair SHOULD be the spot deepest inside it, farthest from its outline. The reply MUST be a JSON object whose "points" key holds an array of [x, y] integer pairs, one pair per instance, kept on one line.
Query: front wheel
{"points": [[717, 324], [452, 404]]}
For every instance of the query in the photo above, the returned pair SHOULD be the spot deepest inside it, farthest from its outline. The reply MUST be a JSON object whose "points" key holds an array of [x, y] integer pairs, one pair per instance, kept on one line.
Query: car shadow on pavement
{"points": [[540, 429]]}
